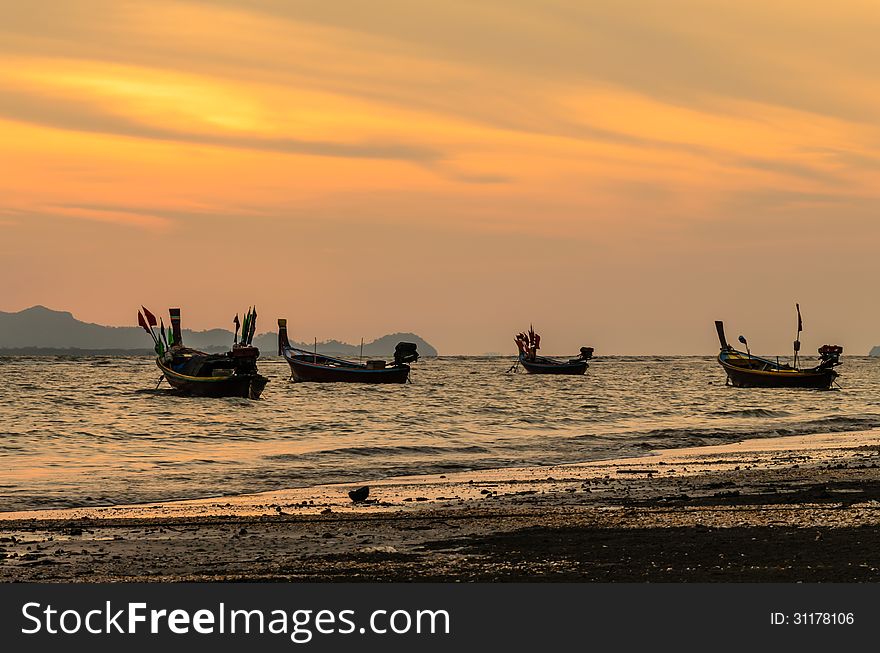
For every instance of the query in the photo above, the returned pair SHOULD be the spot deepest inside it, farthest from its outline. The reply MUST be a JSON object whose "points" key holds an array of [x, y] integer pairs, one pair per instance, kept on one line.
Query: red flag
{"points": [[800, 322], [150, 317], [142, 322]]}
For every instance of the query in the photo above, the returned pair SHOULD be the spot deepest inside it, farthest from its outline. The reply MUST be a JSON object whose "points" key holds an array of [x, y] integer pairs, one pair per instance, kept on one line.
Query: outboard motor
{"points": [[586, 353], [830, 355], [405, 352]]}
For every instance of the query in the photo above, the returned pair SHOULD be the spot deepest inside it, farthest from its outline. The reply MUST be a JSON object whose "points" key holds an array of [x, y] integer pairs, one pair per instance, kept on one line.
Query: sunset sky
{"points": [[619, 173]]}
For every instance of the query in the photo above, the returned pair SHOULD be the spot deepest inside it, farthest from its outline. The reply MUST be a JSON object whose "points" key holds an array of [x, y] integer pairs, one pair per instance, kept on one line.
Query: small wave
{"points": [[850, 422], [750, 412], [678, 437], [378, 451]]}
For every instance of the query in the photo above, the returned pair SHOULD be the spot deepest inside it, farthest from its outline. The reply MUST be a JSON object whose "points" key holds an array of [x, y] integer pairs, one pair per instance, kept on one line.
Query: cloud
{"points": [[64, 112], [126, 217], [680, 51], [503, 68], [757, 203]]}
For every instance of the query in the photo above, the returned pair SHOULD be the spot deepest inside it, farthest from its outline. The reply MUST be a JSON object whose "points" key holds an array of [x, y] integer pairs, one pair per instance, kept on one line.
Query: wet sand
{"points": [[783, 509]]}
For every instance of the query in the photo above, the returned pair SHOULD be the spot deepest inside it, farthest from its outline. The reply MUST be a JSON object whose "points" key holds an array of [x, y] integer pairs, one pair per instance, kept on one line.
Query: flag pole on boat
{"points": [[245, 327], [253, 329], [143, 322], [797, 340], [148, 323], [162, 333]]}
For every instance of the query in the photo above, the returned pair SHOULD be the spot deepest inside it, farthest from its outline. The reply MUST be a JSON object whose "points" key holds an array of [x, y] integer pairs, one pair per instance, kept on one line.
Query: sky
{"points": [[619, 174]]}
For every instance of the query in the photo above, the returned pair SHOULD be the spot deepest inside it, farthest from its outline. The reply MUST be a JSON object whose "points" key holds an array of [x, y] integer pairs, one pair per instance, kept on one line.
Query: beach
{"points": [[799, 508]]}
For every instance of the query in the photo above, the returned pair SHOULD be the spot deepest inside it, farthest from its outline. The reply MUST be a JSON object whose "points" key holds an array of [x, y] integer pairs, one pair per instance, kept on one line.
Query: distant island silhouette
{"points": [[42, 331]]}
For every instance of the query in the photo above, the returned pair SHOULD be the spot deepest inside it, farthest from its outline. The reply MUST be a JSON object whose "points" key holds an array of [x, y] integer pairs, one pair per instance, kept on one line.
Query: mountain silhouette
{"points": [[39, 329]]}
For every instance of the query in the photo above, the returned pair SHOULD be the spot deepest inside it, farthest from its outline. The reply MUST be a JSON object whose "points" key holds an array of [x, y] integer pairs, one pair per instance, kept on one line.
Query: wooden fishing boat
{"points": [[528, 345], [199, 374], [745, 370], [312, 366]]}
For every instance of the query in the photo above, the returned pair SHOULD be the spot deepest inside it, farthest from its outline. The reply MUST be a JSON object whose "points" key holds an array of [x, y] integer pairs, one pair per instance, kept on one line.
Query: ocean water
{"points": [[93, 431]]}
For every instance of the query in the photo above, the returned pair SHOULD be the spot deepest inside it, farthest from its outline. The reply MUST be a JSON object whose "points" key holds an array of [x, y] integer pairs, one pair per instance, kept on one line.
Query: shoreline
{"points": [[702, 511], [420, 491]]}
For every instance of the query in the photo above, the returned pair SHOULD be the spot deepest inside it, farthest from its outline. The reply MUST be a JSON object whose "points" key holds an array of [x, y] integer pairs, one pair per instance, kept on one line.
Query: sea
{"points": [[95, 431]]}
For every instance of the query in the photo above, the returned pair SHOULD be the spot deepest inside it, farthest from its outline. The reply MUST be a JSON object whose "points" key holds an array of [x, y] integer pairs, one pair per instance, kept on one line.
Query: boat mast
{"points": [[797, 340]]}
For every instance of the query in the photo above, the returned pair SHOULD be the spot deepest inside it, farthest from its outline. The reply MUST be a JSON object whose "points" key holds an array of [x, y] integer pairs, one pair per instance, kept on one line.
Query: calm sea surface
{"points": [[93, 431]]}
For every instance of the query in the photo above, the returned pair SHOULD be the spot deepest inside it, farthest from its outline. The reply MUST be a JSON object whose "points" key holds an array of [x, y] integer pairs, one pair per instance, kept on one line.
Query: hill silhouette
{"points": [[41, 330]]}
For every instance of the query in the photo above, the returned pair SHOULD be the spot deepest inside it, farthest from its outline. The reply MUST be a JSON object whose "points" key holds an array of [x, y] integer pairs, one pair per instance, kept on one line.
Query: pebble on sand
{"points": [[360, 495]]}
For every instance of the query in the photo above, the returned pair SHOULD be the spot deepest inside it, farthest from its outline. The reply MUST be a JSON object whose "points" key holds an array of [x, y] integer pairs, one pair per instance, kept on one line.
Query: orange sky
{"points": [[620, 174]]}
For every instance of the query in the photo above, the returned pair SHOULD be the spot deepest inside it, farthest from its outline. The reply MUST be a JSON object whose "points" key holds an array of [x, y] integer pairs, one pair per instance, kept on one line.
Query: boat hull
{"points": [[246, 386], [305, 371], [568, 368], [740, 377]]}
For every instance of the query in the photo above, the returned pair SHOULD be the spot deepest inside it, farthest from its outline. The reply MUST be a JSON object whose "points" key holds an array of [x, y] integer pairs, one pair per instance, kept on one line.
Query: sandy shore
{"points": [[783, 509]]}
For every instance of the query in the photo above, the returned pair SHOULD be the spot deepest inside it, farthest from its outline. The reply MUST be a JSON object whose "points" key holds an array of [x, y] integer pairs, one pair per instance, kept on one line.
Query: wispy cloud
{"points": [[129, 217], [61, 112]]}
